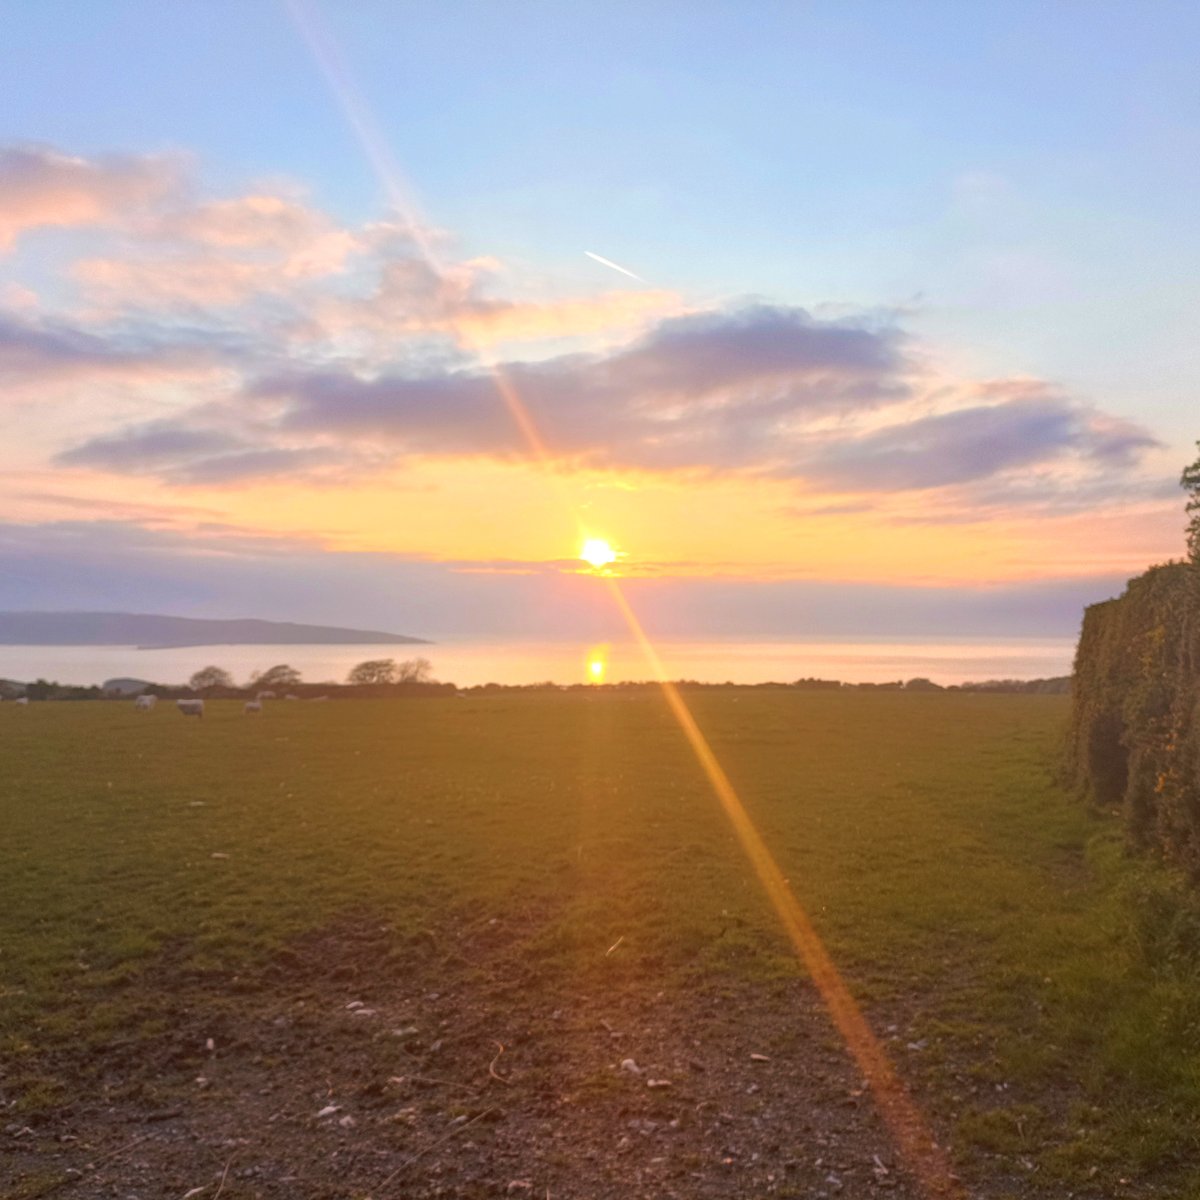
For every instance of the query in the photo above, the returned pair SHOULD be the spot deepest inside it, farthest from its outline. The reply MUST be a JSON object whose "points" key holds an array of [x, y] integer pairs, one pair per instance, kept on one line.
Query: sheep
{"points": [[21, 700], [252, 706], [191, 708], [145, 703]]}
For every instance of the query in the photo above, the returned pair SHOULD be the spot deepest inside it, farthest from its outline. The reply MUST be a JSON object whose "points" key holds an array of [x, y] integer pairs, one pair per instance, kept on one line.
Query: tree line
{"points": [[371, 672]]}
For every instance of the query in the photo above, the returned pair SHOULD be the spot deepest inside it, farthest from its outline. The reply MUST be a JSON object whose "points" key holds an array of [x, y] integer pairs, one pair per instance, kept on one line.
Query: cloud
{"points": [[764, 344], [710, 392], [151, 515], [172, 247], [411, 295], [42, 187], [973, 444], [198, 456], [321, 280], [759, 390], [258, 221], [1041, 493], [122, 565], [717, 392], [292, 346], [218, 254], [48, 350]]}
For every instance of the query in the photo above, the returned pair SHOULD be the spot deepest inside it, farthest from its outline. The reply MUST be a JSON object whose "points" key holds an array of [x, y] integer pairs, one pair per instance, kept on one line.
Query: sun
{"points": [[597, 552]]}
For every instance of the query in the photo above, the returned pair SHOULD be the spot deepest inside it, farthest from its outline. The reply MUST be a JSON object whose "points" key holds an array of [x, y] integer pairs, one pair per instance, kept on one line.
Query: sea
{"points": [[470, 663]]}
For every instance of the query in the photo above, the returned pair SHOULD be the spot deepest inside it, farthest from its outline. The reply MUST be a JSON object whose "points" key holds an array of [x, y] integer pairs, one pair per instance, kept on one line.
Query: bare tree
{"points": [[415, 670]]}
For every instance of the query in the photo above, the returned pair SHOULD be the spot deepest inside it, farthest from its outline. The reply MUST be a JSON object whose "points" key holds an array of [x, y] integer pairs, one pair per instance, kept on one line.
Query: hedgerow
{"points": [[1134, 739]]}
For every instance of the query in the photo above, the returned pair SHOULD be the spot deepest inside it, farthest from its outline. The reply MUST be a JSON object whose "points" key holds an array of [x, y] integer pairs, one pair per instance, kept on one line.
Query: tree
{"points": [[374, 670], [210, 677], [415, 670], [279, 676], [1190, 482]]}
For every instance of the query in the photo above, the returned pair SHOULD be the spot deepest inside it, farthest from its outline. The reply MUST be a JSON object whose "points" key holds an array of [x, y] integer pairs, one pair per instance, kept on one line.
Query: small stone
{"points": [[658, 1083], [627, 1064], [329, 1110], [759, 1058]]}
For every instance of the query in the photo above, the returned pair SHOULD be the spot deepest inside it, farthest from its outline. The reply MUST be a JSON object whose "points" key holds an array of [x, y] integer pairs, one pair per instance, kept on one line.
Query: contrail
{"points": [[608, 262]]}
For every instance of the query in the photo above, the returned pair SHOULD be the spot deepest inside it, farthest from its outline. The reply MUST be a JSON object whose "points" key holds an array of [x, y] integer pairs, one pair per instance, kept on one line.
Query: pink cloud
{"points": [[413, 296], [41, 187], [219, 254]]}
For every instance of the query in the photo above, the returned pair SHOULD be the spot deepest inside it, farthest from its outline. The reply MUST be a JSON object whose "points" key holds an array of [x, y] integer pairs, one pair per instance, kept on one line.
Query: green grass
{"points": [[1050, 987]]}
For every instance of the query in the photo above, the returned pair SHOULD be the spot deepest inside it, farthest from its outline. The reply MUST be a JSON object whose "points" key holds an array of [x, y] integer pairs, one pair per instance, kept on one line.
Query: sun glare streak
{"points": [[905, 1123], [400, 195], [908, 1128]]}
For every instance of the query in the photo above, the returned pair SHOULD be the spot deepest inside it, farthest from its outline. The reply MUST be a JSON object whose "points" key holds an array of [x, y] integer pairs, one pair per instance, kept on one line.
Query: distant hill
{"points": [[151, 632]]}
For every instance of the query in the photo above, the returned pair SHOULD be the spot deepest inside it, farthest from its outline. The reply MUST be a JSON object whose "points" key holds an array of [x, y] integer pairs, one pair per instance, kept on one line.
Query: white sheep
{"points": [[145, 703], [191, 708], [252, 706]]}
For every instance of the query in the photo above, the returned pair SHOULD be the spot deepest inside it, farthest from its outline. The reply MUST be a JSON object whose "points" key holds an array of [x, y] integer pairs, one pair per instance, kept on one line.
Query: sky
{"points": [[304, 311]]}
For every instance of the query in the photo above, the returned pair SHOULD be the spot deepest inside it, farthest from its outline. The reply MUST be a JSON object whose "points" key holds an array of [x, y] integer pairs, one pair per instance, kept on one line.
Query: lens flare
{"points": [[912, 1136]]}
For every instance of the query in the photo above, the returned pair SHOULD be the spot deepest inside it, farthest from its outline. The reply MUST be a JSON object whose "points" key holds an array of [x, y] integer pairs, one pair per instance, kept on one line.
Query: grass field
{"points": [[1039, 992]]}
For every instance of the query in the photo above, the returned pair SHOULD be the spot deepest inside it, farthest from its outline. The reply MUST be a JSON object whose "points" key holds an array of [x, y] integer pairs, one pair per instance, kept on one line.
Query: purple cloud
{"points": [[972, 444], [750, 390]]}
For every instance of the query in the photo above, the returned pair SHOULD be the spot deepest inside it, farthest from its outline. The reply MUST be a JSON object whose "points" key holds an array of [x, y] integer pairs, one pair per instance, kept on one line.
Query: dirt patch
{"points": [[362, 1063]]}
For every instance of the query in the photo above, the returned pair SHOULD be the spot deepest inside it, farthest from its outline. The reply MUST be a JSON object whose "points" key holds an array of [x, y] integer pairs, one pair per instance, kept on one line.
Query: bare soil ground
{"points": [[347, 1071]]}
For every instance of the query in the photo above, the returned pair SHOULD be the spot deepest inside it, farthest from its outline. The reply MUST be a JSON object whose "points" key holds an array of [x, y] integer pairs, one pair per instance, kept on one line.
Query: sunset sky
{"points": [[298, 319]]}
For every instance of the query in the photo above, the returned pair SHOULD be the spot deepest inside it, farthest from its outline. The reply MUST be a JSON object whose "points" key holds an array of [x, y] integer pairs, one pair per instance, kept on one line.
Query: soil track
{"points": [[346, 1070]]}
